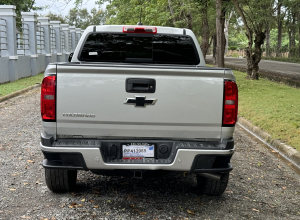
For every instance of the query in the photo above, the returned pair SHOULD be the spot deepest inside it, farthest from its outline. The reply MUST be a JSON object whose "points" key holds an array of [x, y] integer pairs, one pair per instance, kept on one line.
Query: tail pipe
{"points": [[220, 177]]}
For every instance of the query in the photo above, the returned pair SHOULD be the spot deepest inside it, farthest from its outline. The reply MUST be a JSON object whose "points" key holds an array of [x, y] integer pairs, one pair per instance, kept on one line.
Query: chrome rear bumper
{"points": [[90, 158]]}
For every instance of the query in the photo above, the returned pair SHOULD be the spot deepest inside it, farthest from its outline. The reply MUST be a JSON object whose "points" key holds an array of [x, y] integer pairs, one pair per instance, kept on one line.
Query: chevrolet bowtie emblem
{"points": [[140, 101]]}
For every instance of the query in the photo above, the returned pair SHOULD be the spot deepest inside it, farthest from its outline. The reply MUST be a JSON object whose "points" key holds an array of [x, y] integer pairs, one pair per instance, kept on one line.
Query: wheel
{"points": [[59, 180], [211, 187]]}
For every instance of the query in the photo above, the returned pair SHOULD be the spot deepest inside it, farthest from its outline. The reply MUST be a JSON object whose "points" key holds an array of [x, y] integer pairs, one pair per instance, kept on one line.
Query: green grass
{"points": [[8, 88], [271, 106]]}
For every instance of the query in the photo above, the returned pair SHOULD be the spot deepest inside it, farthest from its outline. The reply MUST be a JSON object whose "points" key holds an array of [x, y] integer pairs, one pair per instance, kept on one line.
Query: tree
{"points": [[205, 28], [220, 37], [254, 15], [97, 16], [291, 22], [298, 20], [78, 17], [81, 18], [268, 24], [226, 30], [56, 17], [279, 27], [292, 32], [174, 13], [77, 3]]}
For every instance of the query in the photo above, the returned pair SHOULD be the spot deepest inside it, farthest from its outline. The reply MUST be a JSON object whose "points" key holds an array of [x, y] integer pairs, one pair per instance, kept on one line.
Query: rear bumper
{"points": [[194, 159]]}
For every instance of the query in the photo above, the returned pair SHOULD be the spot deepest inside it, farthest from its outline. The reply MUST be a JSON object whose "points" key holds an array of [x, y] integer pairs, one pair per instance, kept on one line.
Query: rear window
{"points": [[158, 48]]}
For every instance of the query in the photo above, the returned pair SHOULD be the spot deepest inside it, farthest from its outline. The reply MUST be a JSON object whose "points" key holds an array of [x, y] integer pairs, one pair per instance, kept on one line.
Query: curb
{"points": [[287, 151], [17, 93]]}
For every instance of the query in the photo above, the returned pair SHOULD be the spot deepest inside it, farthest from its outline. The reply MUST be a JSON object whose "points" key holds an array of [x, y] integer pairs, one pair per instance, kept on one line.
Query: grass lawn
{"points": [[8, 88], [271, 106]]}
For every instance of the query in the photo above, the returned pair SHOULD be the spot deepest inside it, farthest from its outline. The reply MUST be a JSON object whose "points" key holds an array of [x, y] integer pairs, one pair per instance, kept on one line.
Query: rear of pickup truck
{"points": [[137, 99]]}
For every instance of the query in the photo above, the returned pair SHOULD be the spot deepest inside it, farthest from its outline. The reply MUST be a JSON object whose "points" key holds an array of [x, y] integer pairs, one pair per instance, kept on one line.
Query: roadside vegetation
{"points": [[283, 59], [10, 87], [273, 107]]}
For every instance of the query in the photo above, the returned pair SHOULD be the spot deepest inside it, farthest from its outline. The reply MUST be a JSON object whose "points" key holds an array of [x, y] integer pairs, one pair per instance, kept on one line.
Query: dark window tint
{"points": [[174, 49], [104, 47], [138, 48], [165, 49]]}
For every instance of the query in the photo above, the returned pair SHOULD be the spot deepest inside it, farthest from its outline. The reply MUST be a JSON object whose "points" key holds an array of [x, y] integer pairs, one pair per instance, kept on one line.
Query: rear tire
{"points": [[60, 181], [210, 187]]}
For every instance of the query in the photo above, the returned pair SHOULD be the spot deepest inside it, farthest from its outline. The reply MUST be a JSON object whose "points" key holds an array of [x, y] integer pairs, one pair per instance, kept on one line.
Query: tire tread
{"points": [[59, 180], [210, 187]]}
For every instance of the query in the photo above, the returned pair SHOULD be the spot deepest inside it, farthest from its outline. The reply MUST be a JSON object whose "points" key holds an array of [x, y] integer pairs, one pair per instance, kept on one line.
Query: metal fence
{"points": [[52, 39], [70, 41], [29, 44], [62, 42], [76, 39], [40, 38], [3, 36], [22, 38]]}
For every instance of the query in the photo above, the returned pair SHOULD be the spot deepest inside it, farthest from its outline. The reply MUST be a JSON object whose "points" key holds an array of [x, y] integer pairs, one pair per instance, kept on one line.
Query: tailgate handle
{"points": [[136, 85]]}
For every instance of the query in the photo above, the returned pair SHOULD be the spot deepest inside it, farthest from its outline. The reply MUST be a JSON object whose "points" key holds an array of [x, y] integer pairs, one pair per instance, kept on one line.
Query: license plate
{"points": [[137, 151]]}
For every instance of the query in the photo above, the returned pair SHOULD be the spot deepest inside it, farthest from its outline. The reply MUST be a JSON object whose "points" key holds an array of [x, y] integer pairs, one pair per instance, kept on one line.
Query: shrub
{"points": [[235, 55], [232, 48]]}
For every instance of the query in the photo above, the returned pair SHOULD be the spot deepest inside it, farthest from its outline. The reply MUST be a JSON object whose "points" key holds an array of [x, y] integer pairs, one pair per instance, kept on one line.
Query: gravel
{"points": [[261, 184]]}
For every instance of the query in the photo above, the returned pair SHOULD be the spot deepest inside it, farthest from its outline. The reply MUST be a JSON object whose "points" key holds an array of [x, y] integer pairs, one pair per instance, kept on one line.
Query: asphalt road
{"points": [[261, 185], [274, 66]]}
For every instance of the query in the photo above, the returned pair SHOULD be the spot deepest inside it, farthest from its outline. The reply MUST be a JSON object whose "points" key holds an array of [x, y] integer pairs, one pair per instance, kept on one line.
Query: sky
{"points": [[60, 8]]}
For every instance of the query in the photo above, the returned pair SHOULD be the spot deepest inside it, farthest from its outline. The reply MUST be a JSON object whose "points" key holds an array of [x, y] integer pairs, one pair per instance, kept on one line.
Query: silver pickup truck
{"points": [[136, 99]]}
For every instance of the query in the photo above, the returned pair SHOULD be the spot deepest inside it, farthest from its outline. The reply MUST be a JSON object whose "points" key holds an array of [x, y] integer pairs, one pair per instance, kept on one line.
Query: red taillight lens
{"points": [[48, 98], [139, 29], [230, 103]]}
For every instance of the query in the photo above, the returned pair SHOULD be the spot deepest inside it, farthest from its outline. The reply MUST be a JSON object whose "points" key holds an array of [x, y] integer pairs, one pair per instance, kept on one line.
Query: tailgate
{"points": [[90, 102]]}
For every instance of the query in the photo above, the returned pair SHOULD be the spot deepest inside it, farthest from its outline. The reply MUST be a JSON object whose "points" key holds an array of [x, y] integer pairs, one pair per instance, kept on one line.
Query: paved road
{"points": [[261, 185], [274, 66]]}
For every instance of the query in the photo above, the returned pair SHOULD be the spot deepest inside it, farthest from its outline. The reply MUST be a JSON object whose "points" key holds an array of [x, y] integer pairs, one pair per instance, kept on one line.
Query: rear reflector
{"points": [[230, 110], [48, 98], [139, 29]]}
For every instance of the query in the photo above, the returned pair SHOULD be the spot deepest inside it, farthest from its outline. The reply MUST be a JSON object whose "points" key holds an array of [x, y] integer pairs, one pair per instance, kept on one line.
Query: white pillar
{"points": [[57, 49], [30, 18], [65, 29], [47, 47], [67, 50], [7, 12], [73, 41], [46, 25]]}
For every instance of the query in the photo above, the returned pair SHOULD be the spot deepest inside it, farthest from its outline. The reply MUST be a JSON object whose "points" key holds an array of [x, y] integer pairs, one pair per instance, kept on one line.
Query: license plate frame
{"points": [[138, 150]]}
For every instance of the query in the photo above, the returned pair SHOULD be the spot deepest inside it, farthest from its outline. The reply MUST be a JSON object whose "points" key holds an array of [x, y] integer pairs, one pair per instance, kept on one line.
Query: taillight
{"points": [[140, 29], [230, 110], [48, 98]]}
